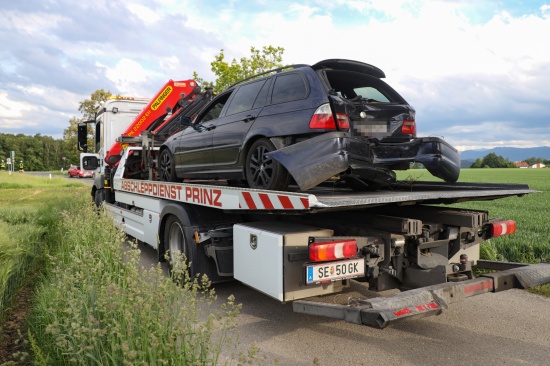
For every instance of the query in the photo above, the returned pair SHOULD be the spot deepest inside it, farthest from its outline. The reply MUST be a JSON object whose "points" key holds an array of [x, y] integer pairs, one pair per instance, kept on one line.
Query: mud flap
{"points": [[315, 160]]}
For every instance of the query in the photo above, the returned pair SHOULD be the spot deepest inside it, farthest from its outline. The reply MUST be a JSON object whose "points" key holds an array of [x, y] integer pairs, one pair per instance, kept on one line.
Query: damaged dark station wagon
{"points": [[305, 125]]}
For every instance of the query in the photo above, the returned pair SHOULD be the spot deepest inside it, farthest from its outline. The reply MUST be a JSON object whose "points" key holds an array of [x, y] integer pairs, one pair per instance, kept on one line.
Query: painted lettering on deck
{"points": [[200, 195], [161, 190], [205, 196]]}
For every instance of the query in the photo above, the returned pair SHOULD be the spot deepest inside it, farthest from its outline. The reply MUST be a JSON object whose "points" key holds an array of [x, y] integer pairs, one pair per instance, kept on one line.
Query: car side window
{"points": [[287, 88], [262, 95], [244, 98], [213, 111]]}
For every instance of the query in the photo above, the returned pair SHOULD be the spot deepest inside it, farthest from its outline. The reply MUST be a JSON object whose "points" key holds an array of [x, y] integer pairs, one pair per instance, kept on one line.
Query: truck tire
{"points": [[99, 197], [176, 244], [263, 172], [167, 167]]}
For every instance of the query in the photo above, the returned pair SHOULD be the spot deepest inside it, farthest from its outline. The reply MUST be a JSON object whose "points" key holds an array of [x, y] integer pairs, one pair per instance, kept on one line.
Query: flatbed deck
{"points": [[322, 198], [403, 193]]}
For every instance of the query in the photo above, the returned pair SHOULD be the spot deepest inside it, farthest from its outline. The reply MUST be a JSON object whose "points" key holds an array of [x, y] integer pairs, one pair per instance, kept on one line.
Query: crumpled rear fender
{"points": [[315, 160]]}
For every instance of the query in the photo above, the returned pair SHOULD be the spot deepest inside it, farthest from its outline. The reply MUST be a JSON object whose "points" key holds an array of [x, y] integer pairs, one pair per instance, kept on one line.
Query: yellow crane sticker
{"points": [[162, 97]]}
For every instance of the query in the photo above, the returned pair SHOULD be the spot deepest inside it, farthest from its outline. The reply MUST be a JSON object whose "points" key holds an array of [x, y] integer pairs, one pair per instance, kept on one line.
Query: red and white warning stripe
{"points": [[251, 200]]}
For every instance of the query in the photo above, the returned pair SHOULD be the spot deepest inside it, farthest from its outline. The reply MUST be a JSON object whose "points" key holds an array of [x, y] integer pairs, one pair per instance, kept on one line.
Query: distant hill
{"points": [[511, 153]]}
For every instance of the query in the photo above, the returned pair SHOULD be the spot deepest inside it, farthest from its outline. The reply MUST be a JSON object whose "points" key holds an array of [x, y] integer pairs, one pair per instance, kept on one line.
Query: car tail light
{"points": [[331, 250], [343, 121], [324, 119], [409, 127], [500, 228]]}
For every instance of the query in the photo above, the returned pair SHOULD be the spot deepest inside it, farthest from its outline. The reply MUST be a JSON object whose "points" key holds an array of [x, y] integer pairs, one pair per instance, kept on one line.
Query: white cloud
{"points": [[126, 75], [11, 109], [31, 23], [145, 13]]}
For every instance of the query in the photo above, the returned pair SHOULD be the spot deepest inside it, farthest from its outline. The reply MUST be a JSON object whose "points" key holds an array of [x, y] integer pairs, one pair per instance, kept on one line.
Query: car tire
{"points": [[263, 172], [175, 243], [167, 166]]}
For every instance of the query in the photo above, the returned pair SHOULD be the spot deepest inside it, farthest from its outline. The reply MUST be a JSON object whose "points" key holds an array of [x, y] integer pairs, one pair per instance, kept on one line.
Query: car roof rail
{"points": [[277, 70]]}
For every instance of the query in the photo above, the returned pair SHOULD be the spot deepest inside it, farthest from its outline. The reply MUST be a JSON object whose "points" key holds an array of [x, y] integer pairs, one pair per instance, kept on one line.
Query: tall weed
{"points": [[101, 307]]}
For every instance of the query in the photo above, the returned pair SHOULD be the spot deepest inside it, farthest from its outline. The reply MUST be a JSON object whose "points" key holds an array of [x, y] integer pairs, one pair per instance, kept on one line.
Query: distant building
{"points": [[521, 164], [538, 165]]}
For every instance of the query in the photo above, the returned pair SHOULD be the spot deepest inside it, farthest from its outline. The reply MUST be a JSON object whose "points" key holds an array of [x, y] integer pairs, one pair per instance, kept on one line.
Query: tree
{"points": [[493, 160], [532, 161], [227, 74], [477, 164], [38, 153], [89, 107]]}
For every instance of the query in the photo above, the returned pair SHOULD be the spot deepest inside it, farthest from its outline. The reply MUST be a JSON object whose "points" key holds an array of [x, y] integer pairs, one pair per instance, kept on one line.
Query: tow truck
{"points": [[305, 247]]}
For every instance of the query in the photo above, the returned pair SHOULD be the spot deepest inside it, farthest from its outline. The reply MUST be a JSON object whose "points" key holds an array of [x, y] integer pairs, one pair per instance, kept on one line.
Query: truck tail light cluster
{"points": [[501, 228], [324, 119], [409, 127], [331, 250]]}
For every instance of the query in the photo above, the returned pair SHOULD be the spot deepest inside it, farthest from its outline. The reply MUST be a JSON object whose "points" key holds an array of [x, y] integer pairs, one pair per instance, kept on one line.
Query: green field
{"points": [[531, 242]]}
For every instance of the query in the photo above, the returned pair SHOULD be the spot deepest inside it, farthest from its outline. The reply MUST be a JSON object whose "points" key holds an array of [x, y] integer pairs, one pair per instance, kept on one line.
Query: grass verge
{"points": [[93, 303]]}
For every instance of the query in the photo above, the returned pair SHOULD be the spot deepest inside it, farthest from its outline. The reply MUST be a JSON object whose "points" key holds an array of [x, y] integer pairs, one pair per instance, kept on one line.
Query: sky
{"points": [[477, 72]]}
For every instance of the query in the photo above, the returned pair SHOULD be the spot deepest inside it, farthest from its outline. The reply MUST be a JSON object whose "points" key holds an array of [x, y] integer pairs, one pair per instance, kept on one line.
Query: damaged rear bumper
{"points": [[315, 160]]}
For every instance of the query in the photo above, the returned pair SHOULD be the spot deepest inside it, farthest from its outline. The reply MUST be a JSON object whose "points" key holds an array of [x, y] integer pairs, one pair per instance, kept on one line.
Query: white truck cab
{"points": [[112, 118]]}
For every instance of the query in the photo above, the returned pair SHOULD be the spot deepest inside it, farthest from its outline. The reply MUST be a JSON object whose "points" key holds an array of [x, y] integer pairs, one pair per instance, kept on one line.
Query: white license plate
{"points": [[334, 271], [371, 128]]}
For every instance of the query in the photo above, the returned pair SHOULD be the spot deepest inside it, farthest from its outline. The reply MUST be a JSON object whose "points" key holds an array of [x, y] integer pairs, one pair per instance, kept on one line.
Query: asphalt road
{"points": [[506, 328]]}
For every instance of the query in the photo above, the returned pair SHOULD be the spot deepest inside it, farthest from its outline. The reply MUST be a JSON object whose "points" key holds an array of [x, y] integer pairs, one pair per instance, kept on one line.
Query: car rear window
{"points": [[350, 84], [287, 88], [371, 93]]}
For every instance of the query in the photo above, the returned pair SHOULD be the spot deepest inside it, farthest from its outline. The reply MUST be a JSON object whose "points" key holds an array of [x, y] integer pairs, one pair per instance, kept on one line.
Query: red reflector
{"points": [[503, 228], [409, 127], [331, 250]]}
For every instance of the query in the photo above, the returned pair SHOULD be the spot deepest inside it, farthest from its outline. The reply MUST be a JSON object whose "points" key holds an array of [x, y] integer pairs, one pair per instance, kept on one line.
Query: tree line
{"points": [[38, 153], [493, 160]]}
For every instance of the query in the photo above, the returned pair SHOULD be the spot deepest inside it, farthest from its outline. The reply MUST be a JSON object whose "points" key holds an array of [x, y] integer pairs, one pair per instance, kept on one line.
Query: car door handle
{"points": [[249, 118], [210, 128]]}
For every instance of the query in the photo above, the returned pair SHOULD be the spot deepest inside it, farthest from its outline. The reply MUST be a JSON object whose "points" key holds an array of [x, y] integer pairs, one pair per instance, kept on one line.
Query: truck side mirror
{"points": [[90, 163], [82, 137]]}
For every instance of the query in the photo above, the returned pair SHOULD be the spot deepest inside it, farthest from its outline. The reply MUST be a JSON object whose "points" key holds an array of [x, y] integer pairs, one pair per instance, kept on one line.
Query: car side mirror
{"points": [[185, 121]]}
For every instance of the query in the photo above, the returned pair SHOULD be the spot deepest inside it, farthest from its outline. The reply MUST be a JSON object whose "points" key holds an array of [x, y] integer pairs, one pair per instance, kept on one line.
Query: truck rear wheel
{"points": [[176, 244], [99, 197]]}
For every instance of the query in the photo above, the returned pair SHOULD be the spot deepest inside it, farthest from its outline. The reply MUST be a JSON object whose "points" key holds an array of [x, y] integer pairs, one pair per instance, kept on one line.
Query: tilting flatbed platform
{"points": [[321, 198]]}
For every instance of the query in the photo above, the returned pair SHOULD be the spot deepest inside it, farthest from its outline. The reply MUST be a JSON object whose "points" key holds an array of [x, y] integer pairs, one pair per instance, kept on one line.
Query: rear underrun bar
{"points": [[427, 301]]}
